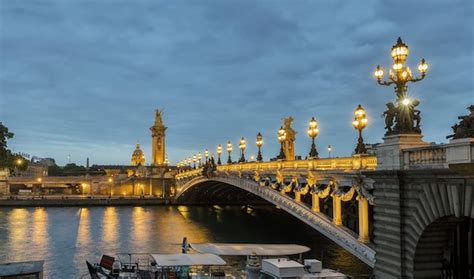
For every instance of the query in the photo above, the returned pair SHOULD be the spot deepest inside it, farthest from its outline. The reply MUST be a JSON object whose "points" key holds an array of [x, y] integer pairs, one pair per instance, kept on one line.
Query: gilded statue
{"points": [[158, 119]]}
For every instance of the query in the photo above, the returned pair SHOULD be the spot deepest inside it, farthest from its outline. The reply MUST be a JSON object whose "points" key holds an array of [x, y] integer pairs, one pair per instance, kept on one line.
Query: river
{"points": [[65, 237]]}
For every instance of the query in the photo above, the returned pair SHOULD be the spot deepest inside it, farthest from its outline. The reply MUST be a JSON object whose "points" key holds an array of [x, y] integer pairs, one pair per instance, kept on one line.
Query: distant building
{"points": [[33, 170], [49, 162], [138, 157]]}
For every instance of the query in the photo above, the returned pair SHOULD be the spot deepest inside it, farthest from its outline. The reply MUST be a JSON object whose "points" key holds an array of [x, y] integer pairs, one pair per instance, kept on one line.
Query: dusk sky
{"points": [[84, 77]]}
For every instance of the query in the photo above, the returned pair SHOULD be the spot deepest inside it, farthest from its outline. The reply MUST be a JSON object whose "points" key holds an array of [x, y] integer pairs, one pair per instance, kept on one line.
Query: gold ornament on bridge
{"points": [[287, 139], [279, 177], [257, 176]]}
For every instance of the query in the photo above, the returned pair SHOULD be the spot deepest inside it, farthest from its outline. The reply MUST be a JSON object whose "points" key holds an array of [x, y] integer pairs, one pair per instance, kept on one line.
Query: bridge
{"points": [[406, 208], [409, 210], [284, 183]]}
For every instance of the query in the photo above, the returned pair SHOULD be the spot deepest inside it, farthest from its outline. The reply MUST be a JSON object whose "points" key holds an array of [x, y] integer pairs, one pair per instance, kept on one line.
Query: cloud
{"points": [[85, 77]]}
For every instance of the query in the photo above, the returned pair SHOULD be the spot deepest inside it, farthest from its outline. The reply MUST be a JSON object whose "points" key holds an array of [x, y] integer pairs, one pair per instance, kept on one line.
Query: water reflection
{"points": [[110, 227], [83, 230], [40, 235], [18, 233], [140, 227], [66, 237]]}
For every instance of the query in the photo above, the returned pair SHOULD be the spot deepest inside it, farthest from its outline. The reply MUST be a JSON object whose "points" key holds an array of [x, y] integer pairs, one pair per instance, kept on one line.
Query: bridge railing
{"points": [[368, 162], [433, 156], [344, 163]]}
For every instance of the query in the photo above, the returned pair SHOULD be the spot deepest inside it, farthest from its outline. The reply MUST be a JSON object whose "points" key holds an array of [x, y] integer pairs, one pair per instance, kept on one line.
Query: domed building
{"points": [[138, 157]]}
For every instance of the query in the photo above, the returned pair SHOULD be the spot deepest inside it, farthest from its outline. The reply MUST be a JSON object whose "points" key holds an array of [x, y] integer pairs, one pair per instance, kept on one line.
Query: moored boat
{"points": [[264, 261]]}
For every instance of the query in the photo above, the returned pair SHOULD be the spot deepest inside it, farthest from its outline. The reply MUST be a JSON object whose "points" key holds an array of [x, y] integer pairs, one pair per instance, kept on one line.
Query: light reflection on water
{"points": [[66, 237]]}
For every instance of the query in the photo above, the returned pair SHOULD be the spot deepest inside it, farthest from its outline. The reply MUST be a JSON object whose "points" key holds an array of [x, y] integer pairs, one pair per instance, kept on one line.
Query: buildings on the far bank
{"points": [[135, 179]]}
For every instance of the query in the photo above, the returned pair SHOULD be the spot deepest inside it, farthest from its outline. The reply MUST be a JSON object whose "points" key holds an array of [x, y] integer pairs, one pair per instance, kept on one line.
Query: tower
{"points": [[158, 140]]}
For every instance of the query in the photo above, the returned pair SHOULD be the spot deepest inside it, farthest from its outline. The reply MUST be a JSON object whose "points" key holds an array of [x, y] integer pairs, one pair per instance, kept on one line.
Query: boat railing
{"points": [[143, 260]]}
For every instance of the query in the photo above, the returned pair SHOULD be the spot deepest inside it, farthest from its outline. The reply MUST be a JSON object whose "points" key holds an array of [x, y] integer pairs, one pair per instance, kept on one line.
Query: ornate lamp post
{"points": [[281, 139], [313, 131], [259, 143], [199, 157], [242, 146], [404, 113], [359, 123], [194, 160], [329, 150], [219, 152], [206, 154], [229, 150]]}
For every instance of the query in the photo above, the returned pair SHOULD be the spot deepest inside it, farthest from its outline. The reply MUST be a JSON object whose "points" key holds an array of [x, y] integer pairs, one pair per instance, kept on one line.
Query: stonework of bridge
{"points": [[339, 179]]}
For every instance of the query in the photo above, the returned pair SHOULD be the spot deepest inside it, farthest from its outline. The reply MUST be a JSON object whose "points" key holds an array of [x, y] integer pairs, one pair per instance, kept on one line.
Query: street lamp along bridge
{"points": [[407, 190]]}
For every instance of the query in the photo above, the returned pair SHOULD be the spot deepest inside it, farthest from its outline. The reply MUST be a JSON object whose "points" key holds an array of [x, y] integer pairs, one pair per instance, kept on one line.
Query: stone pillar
{"points": [[390, 154], [363, 219], [158, 141], [336, 210], [315, 202]]}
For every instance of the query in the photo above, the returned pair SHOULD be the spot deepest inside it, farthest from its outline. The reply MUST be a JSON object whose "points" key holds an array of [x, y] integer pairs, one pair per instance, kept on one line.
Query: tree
{"points": [[7, 158]]}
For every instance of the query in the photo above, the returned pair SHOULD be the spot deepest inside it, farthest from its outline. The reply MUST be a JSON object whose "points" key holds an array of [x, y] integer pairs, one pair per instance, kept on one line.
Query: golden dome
{"points": [[138, 157]]}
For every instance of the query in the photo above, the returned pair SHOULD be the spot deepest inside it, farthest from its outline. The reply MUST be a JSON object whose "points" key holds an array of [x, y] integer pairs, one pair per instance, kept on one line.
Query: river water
{"points": [[65, 237]]}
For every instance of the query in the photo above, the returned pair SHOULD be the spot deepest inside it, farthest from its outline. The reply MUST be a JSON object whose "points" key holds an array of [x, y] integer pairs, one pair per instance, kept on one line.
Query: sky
{"points": [[83, 78]]}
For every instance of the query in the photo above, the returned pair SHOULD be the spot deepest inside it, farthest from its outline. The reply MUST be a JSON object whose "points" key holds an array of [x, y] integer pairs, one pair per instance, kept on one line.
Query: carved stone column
{"points": [[315, 202], [363, 219], [336, 210], [297, 196]]}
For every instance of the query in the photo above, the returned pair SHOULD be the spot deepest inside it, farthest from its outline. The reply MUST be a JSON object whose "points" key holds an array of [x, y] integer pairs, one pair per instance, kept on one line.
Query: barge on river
{"points": [[264, 261]]}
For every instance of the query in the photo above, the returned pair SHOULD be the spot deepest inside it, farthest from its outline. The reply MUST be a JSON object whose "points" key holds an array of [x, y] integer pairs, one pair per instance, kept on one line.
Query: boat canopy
{"points": [[237, 249], [168, 260]]}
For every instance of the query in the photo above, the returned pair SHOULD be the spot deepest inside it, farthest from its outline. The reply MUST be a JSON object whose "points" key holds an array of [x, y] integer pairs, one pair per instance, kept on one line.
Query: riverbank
{"points": [[80, 201]]}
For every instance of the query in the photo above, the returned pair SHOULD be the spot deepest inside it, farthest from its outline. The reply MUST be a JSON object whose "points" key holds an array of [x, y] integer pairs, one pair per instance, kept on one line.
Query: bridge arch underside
{"points": [[216, 192], [236, 190], [443, 249]]}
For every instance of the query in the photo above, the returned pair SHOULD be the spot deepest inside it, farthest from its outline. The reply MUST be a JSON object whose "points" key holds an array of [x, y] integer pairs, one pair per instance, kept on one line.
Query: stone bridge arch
{"points": [[419, 215], [319, 221]]}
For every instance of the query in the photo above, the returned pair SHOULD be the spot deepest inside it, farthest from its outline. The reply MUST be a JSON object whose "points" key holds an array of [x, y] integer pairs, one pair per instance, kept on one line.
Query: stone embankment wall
{"points": [[82, 202]]}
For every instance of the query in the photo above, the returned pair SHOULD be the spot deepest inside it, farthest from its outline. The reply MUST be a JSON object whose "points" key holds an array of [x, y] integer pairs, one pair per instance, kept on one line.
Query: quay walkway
{"points": [[79, 200]]}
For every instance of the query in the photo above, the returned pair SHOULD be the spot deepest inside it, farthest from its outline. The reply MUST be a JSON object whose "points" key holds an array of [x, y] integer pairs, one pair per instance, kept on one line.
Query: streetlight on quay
{"points": [[242, 146], [404, 113], [18, 164], [219, 152], [194, 161], [313, 131], [329, 150], [281, 139], [359, 123], [259, 143], [229, 150], [206, 154]]}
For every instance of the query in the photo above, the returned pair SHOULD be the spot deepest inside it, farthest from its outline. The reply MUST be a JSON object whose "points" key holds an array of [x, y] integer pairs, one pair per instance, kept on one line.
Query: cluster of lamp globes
{"points": [[360, 122], [400, 74]]}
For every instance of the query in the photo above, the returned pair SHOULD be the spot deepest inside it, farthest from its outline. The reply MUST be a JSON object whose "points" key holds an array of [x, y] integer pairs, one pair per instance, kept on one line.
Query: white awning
{"points": [[187, 259], [236, 249]]}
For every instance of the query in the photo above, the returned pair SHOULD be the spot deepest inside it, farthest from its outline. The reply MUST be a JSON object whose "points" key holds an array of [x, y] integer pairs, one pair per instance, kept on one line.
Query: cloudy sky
{"points": [[84, 77]]}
